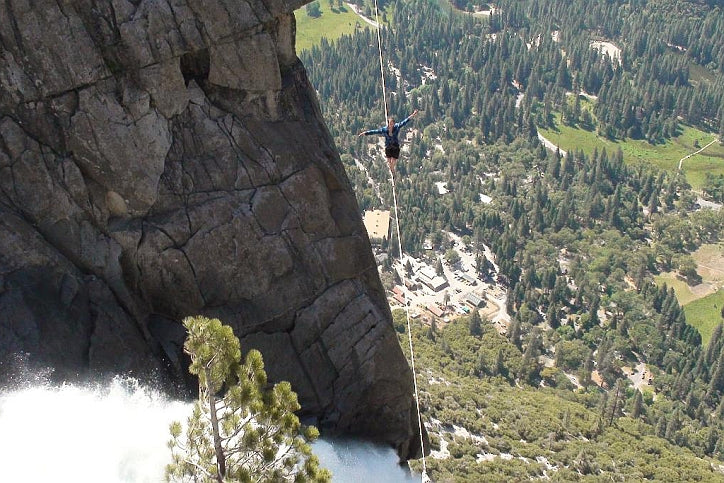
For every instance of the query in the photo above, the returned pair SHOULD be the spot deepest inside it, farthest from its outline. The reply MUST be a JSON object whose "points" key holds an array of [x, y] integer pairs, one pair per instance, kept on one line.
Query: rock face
{"points": [[165, 158]]}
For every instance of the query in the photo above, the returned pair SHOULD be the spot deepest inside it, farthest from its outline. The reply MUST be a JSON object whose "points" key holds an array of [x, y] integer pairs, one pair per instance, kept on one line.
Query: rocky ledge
{"points": [[166, 158]]}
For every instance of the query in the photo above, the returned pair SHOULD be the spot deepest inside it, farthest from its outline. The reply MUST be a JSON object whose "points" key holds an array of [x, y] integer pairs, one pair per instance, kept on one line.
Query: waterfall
{"points": [[109, 433], [117, 433]]}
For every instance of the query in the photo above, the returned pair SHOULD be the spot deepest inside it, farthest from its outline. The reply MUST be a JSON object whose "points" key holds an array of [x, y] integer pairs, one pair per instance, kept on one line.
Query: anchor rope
{"points": [[399, 246]]}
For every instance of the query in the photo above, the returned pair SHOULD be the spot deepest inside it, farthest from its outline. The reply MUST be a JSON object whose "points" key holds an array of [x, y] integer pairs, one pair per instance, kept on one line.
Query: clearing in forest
{"points": [[332, 24], [705, 314], [664, 155], [684, 293], [607, 48], [702, 303], [710, 266], [710, 263]]}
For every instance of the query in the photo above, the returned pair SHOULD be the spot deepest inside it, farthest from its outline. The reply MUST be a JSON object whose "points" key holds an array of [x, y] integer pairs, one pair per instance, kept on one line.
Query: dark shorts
{"points": [[392, 151]]}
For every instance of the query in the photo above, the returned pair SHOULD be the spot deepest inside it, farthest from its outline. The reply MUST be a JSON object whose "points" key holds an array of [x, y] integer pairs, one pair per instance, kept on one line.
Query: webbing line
{"points": [[409, 333], [382, 68], [399, 246]]}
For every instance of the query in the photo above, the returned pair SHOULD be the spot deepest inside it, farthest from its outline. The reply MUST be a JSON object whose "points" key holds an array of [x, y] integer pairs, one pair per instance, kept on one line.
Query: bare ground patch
{"points": [[710, 264]]}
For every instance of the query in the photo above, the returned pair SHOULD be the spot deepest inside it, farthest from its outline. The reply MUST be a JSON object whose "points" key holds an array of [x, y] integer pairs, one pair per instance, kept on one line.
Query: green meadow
{"points": [[332, 24], [665, 155], [683, 292], [705, 314], [702, 308]]}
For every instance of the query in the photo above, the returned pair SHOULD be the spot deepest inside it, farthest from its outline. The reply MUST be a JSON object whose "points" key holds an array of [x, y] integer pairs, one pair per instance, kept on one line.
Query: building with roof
{"points": [[469, 279], [473, 300], [428, 277], [411, 285], [434, 310], [428, 272], [377, 223], [400, 299]]}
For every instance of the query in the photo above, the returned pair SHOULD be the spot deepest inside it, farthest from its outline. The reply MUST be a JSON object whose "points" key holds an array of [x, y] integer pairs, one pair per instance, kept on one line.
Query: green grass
{"points": [[665, 156], [683, 293], [332, 24], [705, 314]]}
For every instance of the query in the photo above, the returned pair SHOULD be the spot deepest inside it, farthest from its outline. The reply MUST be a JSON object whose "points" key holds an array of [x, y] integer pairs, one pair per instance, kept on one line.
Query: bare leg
{"points": [[392, 162]]}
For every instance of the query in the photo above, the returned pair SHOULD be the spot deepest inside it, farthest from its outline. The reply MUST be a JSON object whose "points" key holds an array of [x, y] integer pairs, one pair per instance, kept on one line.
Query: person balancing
{"points": [[392, 142]]}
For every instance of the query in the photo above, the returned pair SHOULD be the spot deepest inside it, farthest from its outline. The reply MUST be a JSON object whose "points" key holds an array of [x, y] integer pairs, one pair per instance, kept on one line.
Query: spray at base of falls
{"points": [[117, 433], [110, 433]]}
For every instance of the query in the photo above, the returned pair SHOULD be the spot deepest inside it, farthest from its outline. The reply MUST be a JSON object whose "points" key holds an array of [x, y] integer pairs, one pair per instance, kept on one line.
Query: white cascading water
{"points": [[117, 433], [112, 433]]}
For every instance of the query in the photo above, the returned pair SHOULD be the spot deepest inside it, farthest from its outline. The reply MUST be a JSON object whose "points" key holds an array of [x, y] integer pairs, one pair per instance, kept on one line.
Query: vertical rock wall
{"points": [[166, 158]]}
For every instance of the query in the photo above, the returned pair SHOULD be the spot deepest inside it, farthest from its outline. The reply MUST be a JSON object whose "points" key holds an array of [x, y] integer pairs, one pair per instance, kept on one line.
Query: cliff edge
{"points": [[167, 158]]}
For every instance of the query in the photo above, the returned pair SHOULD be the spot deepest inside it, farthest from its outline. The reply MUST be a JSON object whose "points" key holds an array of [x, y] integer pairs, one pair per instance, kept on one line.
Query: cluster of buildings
{"points": [[438, 294]]}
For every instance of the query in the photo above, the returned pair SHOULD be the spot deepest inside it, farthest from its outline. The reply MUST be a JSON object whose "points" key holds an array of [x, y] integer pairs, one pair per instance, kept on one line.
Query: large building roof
{"points": [[428, 272]]}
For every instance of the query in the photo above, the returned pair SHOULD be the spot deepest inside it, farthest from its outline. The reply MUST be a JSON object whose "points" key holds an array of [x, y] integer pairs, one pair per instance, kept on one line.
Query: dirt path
{"points": [[519, 100], [681, 161], [357, 10], [549, 145], [712, 268]]}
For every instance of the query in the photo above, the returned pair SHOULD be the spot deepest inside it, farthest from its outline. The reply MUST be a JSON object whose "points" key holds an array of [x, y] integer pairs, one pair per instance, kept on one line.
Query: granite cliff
{"points": [[166, 158]]}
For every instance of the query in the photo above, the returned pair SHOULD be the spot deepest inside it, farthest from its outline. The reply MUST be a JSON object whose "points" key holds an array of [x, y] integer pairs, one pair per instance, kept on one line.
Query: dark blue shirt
{"points": [[390, 139]]}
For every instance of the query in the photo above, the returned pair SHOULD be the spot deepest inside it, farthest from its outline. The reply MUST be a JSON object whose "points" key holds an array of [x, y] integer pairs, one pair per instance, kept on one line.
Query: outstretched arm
{"points": [[372, 131], [408, 118]]}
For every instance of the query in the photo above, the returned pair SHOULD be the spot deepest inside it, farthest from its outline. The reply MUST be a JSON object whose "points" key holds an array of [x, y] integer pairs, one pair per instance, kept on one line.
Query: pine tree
{"points": [[615, 400], [673, 425], [250, 433], [714, 343], [514, 332], [661, 425], [476, 328], [637, 405], [584, 376], [716, 385], [432, 331], [313, 9], [438, 268], [480, 366], [499, 366], [552, 317], [530, 368]]}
